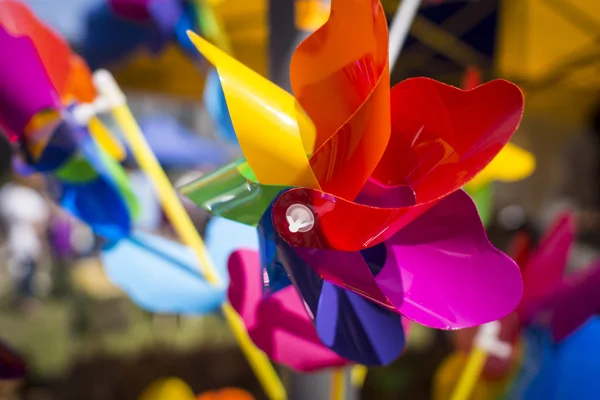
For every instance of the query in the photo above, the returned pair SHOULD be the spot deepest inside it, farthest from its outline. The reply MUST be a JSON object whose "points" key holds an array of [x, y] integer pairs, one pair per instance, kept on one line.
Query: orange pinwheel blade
{"points": [[340, 76]]}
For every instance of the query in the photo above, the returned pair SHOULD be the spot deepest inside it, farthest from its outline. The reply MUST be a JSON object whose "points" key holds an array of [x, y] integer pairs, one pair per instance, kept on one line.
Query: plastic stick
{"points": [[400, 28], [184, 227], [338, 384]]}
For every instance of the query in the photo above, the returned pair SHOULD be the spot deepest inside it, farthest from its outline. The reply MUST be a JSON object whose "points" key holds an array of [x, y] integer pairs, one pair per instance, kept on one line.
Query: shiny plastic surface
{"points": [[229, 194], [274, 133], [425, 153], [340, 76], [354, 327], [439, 271], [279, 324], [542, 276]]}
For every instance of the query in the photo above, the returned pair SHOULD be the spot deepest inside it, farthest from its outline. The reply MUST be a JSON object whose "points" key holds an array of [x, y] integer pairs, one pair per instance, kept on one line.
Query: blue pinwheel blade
{"points": [[224, 237], [161, 276], [98, 205], [567, 370], [99, 202]]}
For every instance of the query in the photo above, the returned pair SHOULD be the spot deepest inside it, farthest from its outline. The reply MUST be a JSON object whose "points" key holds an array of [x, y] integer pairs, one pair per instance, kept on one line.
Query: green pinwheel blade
{"points": [[232, 192]]}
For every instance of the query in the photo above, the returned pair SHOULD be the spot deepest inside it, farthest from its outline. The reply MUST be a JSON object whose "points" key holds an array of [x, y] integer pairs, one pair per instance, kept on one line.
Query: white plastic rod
{"points": [[400, 26]]}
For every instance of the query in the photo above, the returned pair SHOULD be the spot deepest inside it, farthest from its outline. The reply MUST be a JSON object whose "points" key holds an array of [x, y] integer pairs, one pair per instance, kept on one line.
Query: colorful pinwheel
{"points": [[118, 28], [551, 303], [41, 72], [355, 188]]}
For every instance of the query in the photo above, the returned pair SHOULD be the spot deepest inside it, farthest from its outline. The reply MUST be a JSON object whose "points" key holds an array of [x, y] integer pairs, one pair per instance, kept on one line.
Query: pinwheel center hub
{"points": [[300, 218]]}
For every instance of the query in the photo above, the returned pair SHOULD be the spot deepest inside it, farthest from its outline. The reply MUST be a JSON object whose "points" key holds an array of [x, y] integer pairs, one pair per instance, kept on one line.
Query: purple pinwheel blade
{"points": [[352, 326], [25, 87]]}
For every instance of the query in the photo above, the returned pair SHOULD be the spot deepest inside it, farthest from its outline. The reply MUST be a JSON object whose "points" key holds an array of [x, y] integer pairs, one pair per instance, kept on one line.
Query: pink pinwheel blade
{"points": [[441, 271], [545, 268], [279, 324], [25, 87]]}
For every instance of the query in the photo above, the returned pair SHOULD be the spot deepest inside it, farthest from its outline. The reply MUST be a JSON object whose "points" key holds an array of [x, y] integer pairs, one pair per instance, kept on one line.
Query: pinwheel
{"points": [[558, 305], [119, 28], [355, 187], [41, 71]]}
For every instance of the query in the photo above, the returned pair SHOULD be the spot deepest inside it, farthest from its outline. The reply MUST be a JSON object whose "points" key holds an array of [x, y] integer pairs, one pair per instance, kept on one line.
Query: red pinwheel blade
{"points": [[54, 51], [432, 155]]}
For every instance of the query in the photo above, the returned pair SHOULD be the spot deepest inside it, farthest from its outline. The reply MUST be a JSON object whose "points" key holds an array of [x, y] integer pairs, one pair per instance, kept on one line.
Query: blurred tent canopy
{"points": [[551, 49]]}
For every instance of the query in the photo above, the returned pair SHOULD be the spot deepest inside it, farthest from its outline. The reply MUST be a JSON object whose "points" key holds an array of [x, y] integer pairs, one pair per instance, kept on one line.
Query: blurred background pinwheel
{"points": [[88, 180], [370, 191], [552, 308]]}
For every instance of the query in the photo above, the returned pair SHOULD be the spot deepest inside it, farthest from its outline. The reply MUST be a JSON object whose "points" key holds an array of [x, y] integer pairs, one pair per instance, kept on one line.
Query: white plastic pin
{"points": [[300, 218]]}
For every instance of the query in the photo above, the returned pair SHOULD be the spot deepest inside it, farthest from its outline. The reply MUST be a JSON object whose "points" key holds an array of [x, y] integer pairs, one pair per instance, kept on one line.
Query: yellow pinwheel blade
{"points": [[106, 140], [510, 165], [168, 389], [274, 133]]}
